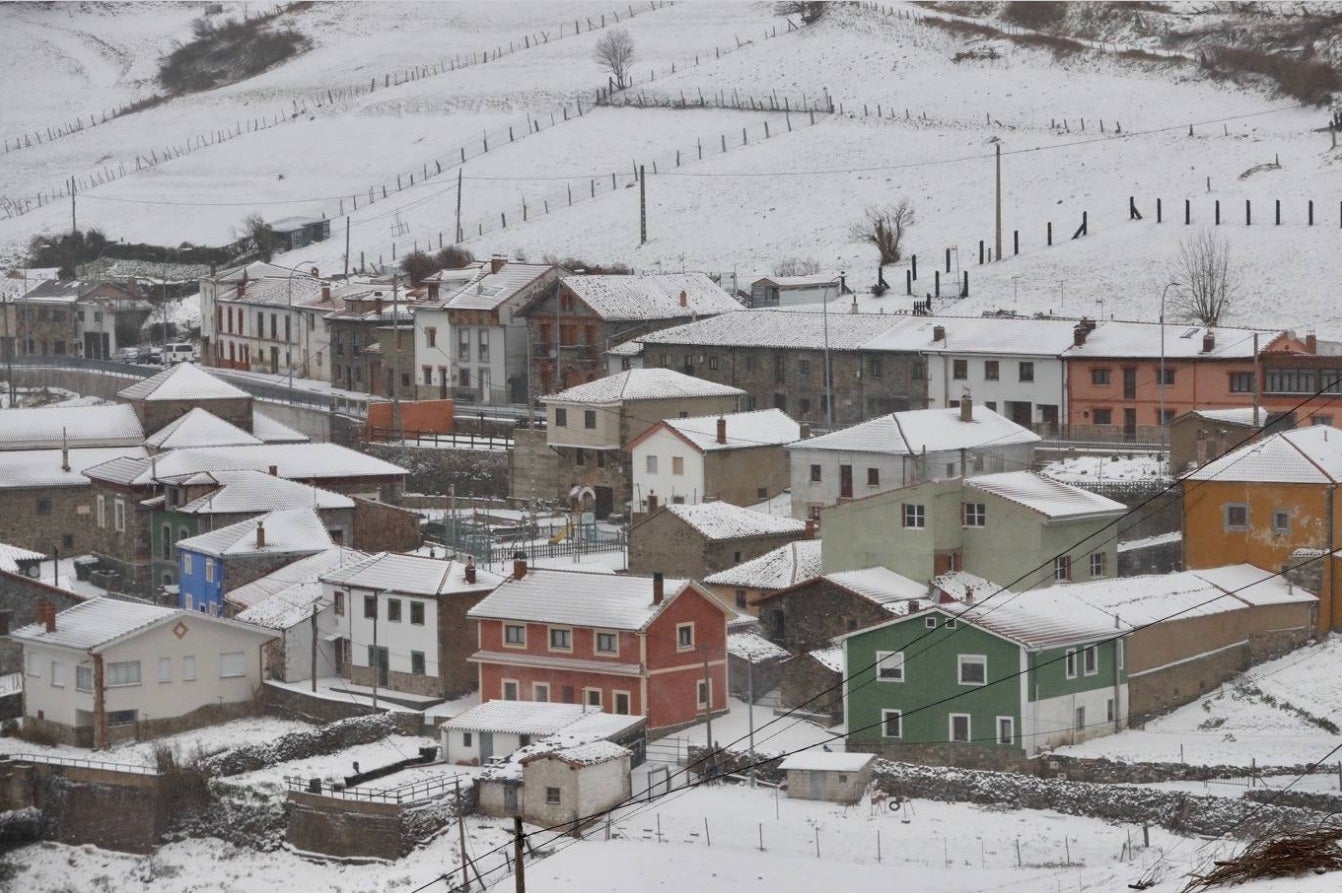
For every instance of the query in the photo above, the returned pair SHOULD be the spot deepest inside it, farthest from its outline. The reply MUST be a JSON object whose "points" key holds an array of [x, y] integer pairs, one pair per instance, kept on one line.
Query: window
{"points": [[231, 664], [510, 687], [84, 678], [762, 493], [1070, 663], [1099, 564], [540, 691], [1026, 371], [741, 601], [1104, 416], [209, 570], [1006, 730], [515, 635], [126, 672], [482, 335], [561, 417], [1109, 710], [1062, 567], [1099, 376], [119, 515], [890, 666], [393, 610], [930, 622], [417, 663], [712, 362], [579, 457], [960, 727], [57, 674], [913, 516], [561, 638], [551, 796], [1288, 381], [430, 336], [1236, 516], [589, 418], [991, 370], [165, 669], [950, 623], [464, 345], [592, 697], [1166, 376], [122, 717], [1090, 659], [684, 636], [102, 511], [1281, 521], [186, 562], [467, 740], [340, 602], [975, 514], [428, 374], [804, 368], [959, 369], [677, 465], [973, 669], [370, 607], [815, 474], [1241, 382], [892, 722], [622, 703], [873, 477], [416, 613], [607, 643], [189, 668], [44, 505], [874, 367], [651, 464], [1118, 652], [702, 688]]}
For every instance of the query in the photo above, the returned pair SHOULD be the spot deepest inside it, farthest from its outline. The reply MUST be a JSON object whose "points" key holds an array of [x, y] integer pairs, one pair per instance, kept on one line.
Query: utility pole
{"points": [[708, 703], [461, 830], [377, 655], [519, 869], [396, 357], [74, 226], [642, 206], [346, 254], [998, 254], [314, 646], [750, 713], [459, 170]]}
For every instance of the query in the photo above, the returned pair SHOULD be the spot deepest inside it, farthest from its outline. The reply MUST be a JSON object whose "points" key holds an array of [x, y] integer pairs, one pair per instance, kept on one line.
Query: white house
{"points": [[557, 782], [108, 670], [497, 728], [902, 449], [791, 291]]}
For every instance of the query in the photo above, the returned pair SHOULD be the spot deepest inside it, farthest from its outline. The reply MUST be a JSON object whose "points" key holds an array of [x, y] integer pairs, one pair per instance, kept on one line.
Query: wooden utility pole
{"points": [[314, 647], [519, 867], [459, 170], [74, 225], [998, 253], [461, 829], [708, 703], [642, 206], [346, 245]]}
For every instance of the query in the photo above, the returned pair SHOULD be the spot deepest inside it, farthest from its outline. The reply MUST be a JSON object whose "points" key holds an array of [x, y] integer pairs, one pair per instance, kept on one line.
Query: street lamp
{"points": [[1168, 286], [289, 321]]}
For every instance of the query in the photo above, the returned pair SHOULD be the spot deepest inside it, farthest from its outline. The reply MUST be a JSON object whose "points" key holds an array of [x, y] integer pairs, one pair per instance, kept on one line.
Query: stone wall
{"points": [[664, 543], [474, 472], [811, 687], [810, 615], [1161, 558], [533, 467], [379, 527], [50, 520], [335, 826], [317, 741], [19, 597], [282, 701]]}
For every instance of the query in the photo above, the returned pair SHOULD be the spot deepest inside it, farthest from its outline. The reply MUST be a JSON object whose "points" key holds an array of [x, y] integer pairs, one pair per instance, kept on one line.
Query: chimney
{"points": [[519, 565], [658, 588], [326, 291], [684, 299], [966, 408], [722, 431], [242, 288], [496, 263], [805, 430], [1079, 336], [274, 471], [377, 305], [810, 528], [470, 571], [65, 452], [1208, 341], [969, 595], [1311, 343], [652, 502], [260, 534], [315, 273], [938, 333], [46, 615]]}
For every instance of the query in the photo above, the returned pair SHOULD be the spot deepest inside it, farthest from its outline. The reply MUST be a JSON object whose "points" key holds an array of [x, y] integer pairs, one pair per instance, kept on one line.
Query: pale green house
{"points": [[1016, 529]]}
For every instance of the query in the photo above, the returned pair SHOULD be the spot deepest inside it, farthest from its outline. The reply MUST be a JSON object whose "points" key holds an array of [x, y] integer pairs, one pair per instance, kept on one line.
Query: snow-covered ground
{"points": [[253, 730], [1119, 467]]}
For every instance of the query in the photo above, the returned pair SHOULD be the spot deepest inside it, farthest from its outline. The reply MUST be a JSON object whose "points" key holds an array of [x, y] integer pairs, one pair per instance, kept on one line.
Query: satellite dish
{"points": [[34, 570]]}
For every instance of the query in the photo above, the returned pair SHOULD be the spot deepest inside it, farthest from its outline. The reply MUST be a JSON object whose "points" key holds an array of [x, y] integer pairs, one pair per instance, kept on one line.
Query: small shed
{"points": [[555, 782], [822, 775]]}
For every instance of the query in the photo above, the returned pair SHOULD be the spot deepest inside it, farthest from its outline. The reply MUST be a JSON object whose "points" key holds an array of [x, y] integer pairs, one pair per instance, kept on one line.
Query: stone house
{"points": [[744, 585], [754, 664], [356, 350], [695, 541], [1015, 529], [1200, 436], [813, 613], [177, 390], [86, 670], [46, 320], [733, 457], [402, 622], [820, 775], [903, 449], [812, 683]]}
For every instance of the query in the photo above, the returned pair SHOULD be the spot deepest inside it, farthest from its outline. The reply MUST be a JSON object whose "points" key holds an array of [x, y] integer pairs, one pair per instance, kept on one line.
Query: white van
{"points": [[180, 352]]}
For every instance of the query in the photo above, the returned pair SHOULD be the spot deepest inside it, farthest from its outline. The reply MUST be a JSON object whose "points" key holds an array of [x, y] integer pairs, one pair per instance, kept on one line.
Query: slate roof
{"points": [[287, 531], [256, 491], [78, 426], [491, 290], [785, 566], [575, 599], [762, 427], [1244, 415], [642, 384], [782, 328], [42, 468], [979, 335], [1048, 497], [519, 717], [100, 622], [881, 586], [296, 573], [287, 607], [299, 461], [724, 521], [915, 431], [1182, 341], [185, 381], [199, 428], [1311, 455], [753, 647], [412, 575], [651, 297], [589, 754]]}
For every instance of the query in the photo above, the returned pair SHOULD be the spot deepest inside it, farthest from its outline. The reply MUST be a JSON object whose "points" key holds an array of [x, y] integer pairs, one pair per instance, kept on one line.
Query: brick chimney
{"points": [[377, 306], [260, 534], [470, 571], [274, 471], [810, 528], [966, 408], [1208, 342], [722, 430], [652, 502], [519, 565], [326, 291], [46, 615], [496, 263], [658, 588], [938, 333], [805, 430], [684, 299]]}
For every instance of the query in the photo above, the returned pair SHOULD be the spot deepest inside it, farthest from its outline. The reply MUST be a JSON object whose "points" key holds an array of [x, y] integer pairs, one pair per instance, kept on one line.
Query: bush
{"points": [[229, 51], [418, 266], [1061, 46], [578, 265], [1039, 15], [1309, 82], [453, 258], [36, 736]]}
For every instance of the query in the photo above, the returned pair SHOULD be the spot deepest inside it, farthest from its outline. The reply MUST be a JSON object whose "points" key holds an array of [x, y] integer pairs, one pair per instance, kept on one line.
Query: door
{"points": [[383, 659], [845, 482], [486, 747], [1048, 415], [605, 501], [510, 798], [1129, 424], [1021, 412], [274, 360]]}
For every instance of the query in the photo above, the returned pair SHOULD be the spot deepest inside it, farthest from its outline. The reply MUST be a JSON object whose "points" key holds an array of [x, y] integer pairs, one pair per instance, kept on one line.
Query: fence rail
{"points": [[78, 763], [416, 792], [467, 440]]}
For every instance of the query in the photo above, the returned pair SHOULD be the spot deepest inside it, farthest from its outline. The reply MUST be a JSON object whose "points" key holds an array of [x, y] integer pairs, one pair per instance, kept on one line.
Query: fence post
{"points": [[1188, 212], [1278, 212], [1218, 212], [1311, 212], [1248, 216]]}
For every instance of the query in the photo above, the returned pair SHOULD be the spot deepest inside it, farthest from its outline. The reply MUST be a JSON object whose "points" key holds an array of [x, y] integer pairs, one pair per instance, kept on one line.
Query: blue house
{"points": [[211, 564]]}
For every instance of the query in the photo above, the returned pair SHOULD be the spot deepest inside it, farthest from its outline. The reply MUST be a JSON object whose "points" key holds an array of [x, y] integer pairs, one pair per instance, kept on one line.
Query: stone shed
{"points": [[822, 775]]}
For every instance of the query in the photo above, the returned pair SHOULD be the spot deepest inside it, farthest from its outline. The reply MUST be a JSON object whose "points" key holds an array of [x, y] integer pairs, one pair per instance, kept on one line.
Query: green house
{"points": [[1003, 676]]}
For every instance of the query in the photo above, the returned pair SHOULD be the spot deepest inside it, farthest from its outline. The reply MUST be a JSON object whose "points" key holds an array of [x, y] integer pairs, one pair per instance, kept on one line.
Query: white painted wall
{"points": [[584, 790], [1047, 388], [667, 485], [1050, 721], [298, 647], [399, 638], [456, 750]]}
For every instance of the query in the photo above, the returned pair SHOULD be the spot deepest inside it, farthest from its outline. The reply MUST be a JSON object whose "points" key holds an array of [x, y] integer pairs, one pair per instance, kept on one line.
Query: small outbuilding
{"points": [[496, 729], [822, 775], [556, 782]]}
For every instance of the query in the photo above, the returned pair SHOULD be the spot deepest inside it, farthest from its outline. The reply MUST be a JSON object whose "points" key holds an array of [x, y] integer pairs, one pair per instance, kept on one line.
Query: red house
{"points": [[625, 645]]}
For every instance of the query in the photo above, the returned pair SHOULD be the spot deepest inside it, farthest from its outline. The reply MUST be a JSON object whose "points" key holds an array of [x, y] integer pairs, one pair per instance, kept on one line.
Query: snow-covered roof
{"points": [[1140, 601], [915, 431], [979, 335], [287, 531], [100, 622], [43, 468], [589, 754], [575, 599], [724, 521], [536, 718], [819, 279], [642, 384], [490, 290], [184, 381], [246, 490], [882, 586], [962, 586], [267, 430], [411, 575], [761, 427], [304, 570], [289, 606], [631, 348], [1244, 415], [298, 461], [10, 556], [1311, 455], [78, 426], [754, 648], [199, 428], [1034, 620], [785, 566], [651, 297], [813, 760], [781, 328], [830, 657], [1053, 499], [1181, 341]]}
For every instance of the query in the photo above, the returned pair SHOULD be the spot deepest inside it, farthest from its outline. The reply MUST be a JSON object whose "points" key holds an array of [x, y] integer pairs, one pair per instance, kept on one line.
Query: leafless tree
{"points": [[885, 227], [1205, 280], [797, 266], [809, 10], [615, 53]]}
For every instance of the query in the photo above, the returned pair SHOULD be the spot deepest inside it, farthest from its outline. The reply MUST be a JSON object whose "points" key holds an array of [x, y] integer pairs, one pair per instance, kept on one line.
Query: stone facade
{"points": [[379, 527], [808, 686], [811, 614], [124, 550], [51, 520], [533, 468], [664, 543], [19, 598], [154, 414], [746, 476]]}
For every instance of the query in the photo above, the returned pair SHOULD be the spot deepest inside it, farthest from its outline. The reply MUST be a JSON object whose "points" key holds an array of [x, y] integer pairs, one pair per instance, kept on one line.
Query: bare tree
{"points": [[260, 234], [797, 266], [615, 53], [1204, 278], [885, 227], [809, 10]]}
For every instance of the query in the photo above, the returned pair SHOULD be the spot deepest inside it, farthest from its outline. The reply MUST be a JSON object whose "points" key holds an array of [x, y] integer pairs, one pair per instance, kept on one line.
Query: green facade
{"points": [[180, 526]]}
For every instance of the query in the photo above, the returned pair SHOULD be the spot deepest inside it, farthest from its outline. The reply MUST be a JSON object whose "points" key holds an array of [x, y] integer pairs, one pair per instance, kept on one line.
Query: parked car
{"points": [[150, 355], [178, 352], [127, 355]]}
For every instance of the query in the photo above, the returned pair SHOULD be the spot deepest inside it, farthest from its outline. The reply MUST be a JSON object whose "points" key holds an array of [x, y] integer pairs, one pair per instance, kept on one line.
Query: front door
{"points": [[605, 501], [383, 658], [845, 482], [1129, 424], [818, 786], [486, 747], [1021, 412], [510, 798]]}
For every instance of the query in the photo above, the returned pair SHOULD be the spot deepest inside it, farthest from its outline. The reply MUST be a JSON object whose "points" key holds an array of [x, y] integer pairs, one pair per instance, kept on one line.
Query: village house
{"points": [[1016, 529], [623, 357], [217, 291], [902, 449], [627, 645], [292, 233], [176, 391], [697, 540], [210, 564], [1292, 369], [1198, 437], [356, 349], [107, 671], [72, 317], [571, 327], [46, 320], [791, 291], [557, 784], [497, 728], [743, 585], [988, 686], [811, 684], [402, 622], [754, 664], [733, 457], [814, 612]]}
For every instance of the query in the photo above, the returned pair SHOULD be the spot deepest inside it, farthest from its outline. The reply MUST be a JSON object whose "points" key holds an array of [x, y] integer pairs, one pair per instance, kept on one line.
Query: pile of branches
{"points": [[1278, 853]]}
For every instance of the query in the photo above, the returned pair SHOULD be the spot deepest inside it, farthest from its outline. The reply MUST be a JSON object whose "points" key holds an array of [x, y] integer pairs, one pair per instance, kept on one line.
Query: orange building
{"points": [[1262, 502]]}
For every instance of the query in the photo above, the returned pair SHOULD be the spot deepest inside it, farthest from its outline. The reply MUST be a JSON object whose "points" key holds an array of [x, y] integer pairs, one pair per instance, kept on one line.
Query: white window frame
{"points": [[209, 570], [232, 664], [1090, 660], [975, 514], [512, 626], [552, 795], [540, 691], [550, 638], [82, 673], [1062, 568], [913, 516], [1069, 663], [892, 661], [596, 642], [503, 689], [1099, 564], [628, 700], [885, 719], [186, 563], [964, 660], [650, 463], [102, 510], [110, 672], [681, 645], [1119, 649], [1010, 737], [702, 688], [119, 515], [588, 700], [164, 669], [57, 674], [950, 728], [930, 622]]}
